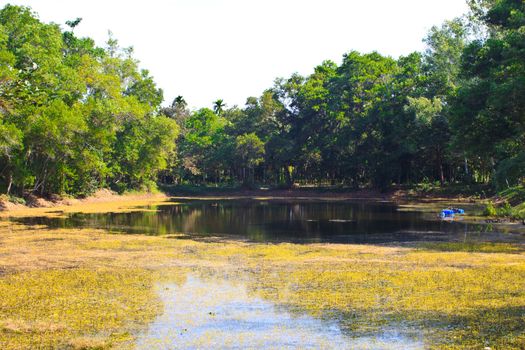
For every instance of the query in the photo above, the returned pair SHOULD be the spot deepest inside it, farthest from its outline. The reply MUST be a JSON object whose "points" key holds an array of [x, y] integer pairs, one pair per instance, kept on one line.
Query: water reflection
{"points": [[220, 314], [293, 221]]}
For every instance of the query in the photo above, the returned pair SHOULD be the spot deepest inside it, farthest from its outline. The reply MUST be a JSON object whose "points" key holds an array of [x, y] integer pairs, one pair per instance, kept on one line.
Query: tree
{"points": [[218, 106], [442, 57], [433, 130], [489, 111], [178, 111], [250, 151], [67, 107], [201, 149]]}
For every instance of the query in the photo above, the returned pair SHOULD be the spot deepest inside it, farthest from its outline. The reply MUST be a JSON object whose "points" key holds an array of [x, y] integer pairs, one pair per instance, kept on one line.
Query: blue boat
{"points": [[447, 213], [451, 212]]}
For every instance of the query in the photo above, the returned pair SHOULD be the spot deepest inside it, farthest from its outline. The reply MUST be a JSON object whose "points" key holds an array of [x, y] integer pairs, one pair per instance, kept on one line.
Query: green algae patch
{"points": [[455, 303], [76, 309]]}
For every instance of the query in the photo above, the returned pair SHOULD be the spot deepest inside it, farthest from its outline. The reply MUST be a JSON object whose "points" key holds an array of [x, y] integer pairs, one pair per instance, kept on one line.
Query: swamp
{"points": [[235, 273]]}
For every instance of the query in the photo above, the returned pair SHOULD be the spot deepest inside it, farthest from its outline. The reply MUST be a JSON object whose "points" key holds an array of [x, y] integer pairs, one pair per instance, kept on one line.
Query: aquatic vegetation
{"points": [[218, 311], [481, 247], [84, 288], [76, 308]]}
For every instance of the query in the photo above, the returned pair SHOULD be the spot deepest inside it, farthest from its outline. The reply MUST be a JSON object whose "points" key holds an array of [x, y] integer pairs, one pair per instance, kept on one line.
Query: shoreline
{"points": [[103, 200], [107, 196]]}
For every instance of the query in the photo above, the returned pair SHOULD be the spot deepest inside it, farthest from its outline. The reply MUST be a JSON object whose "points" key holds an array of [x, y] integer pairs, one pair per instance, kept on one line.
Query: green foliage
{"points": [[75, 117], [452, 114], [426, 186], [505, 209], [490, 106], [445, 46], [249, 149], [510, 171], [512, 204], [490, 210], [514, 195]]}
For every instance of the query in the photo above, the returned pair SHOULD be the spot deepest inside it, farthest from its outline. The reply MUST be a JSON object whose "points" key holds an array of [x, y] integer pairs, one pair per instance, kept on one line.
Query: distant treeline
{"points": [[75, 117]]}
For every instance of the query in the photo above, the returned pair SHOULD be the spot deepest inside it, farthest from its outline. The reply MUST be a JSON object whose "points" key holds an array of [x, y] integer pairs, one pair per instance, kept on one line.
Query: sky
{"points": [[206, 50]]}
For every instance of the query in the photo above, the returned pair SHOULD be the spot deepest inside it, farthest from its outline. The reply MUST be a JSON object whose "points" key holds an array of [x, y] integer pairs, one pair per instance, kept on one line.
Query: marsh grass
{"points": [[84, 288]]}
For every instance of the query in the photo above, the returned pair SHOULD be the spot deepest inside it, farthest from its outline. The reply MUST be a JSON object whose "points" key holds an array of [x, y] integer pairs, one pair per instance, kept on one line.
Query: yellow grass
{"points": [[112, 204], [84, 288]]}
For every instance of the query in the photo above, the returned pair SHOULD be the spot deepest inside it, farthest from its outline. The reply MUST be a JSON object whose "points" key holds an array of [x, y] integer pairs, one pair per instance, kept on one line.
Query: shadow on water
{"points": [[222, 314], [284, 221]]}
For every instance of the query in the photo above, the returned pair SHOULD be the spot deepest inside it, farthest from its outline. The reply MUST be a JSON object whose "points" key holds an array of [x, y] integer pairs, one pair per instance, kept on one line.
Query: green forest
{"points": [[75, 117]]}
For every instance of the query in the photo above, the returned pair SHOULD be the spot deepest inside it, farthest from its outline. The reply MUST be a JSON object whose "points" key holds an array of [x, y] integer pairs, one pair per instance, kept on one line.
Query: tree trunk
{"points": [[10, 183], [287, 177], [440, 166], [441, 174]]}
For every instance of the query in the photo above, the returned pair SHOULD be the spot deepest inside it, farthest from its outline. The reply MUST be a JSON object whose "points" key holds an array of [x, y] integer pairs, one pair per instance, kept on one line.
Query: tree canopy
{"points": [[75, 117]]}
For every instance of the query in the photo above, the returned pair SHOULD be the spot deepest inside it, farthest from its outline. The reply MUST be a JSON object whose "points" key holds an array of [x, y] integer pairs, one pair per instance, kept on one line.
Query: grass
{"points": [[86, 289], [116, 206]]}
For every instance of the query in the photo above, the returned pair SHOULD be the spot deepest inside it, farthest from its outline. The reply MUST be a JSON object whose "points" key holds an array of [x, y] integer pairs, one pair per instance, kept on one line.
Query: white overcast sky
{"points": [[232, 49]]}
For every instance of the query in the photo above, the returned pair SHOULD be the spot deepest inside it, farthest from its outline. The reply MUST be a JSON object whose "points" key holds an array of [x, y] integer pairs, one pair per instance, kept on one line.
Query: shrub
{"points": [[490, 210], [505, 209]]}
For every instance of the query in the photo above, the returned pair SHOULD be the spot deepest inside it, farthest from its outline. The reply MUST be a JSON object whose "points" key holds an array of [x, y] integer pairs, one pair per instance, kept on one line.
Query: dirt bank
{"points": [[102, 199]]}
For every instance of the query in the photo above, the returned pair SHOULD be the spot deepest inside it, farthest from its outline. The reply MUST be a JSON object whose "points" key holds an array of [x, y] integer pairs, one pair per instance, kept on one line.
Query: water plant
{"points": [[84, 288]]}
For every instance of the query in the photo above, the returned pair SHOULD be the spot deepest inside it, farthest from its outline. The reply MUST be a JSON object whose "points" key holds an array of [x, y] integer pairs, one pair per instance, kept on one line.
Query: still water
{"points": [[223, 314], [298, 221], [217, 312]]}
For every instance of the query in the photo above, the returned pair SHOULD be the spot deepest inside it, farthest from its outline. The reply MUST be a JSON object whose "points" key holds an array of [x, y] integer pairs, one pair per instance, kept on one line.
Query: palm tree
{"points": [[218, 106], [179, 102]]}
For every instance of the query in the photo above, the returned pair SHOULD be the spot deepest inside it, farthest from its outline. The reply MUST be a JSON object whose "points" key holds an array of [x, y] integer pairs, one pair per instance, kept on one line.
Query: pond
{"points": [[386, 292], [296, 221]]}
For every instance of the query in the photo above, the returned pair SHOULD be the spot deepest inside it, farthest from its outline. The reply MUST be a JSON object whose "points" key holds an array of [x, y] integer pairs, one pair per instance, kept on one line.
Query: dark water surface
{"points": [[299, 221]]}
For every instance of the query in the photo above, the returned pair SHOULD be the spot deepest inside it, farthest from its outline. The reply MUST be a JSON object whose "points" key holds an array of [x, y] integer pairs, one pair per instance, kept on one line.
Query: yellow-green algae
{"points": [[76, 308], [83, 288]]}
